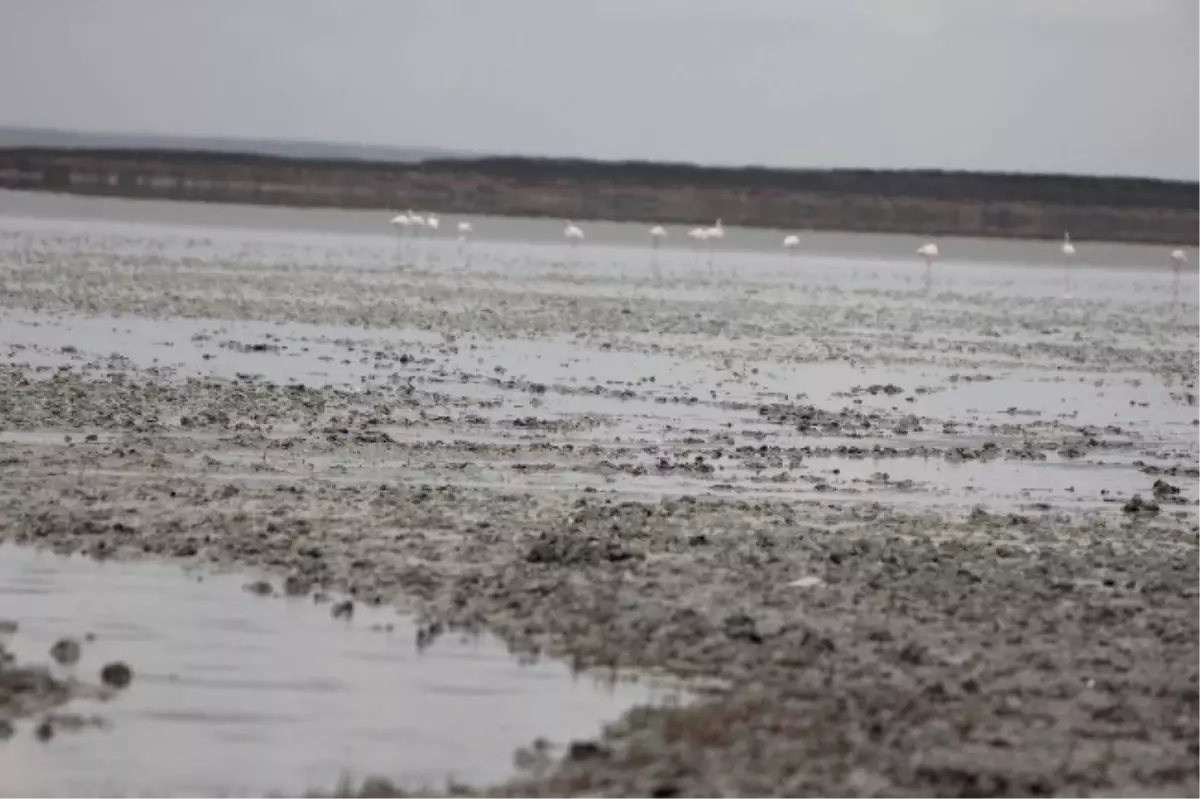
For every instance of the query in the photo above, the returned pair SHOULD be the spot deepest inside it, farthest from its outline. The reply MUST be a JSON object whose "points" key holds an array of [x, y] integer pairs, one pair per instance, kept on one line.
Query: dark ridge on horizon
{"points": [[931, 184], [939, 184], [268, 151]]}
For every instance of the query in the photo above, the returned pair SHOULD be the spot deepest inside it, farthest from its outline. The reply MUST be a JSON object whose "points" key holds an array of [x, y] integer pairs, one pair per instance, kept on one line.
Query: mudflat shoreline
{"points": [[929, 541], [877, 201]]}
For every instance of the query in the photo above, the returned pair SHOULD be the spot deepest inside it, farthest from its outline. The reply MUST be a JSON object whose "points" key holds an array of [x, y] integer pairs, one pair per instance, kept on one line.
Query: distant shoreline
{"points": [[919, 202]]}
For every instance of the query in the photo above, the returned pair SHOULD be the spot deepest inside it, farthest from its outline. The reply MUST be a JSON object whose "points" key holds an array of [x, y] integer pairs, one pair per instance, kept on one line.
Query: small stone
{"points": [[66, 652], [296, 585], [260, 588], [1164, 490], [116, 675], [1139, 505], [343, 610], [580, 751]]}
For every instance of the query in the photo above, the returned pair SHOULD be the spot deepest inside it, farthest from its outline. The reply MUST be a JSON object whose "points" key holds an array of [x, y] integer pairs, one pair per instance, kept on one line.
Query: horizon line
{"points": [[442, 154]]}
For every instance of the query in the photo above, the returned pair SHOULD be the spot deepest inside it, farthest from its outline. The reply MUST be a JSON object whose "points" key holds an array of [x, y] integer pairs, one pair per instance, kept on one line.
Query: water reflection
{"points": [[240, 695]]}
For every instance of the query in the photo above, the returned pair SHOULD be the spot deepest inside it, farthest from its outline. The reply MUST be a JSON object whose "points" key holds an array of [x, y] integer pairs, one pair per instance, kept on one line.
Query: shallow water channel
{"points": [[240, 695]]}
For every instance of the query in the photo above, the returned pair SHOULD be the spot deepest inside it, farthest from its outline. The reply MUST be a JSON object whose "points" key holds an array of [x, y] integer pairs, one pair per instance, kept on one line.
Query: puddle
{"points": [[240, 695], [1004, 484]]}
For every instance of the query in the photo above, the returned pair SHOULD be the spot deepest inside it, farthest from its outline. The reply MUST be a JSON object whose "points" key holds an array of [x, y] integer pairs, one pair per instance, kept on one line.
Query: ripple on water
{"points": [[240, 695]]}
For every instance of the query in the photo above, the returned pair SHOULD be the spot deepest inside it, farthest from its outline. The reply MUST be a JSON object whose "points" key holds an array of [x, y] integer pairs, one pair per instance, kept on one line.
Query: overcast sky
{"points": [[1087, 86]]}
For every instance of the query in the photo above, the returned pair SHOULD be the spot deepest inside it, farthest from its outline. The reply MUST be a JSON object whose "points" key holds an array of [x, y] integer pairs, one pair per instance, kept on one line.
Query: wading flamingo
{"points": [[702, 235], [658, 234], [1068, 254], [1178, 259], [928, 251], [464, 235]]}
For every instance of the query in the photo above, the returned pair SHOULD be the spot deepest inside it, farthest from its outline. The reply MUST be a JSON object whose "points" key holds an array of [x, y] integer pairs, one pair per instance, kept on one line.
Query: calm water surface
{"points": [[241, 695]]}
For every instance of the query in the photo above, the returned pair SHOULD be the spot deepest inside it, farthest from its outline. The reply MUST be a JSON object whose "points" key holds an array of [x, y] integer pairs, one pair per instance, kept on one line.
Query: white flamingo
{"points": [[464, 236], [1178, 259], [416, 220], [573, 234], [928, 251], [433, 223], [400, 222], [791, 241], [657, 234], [703, 235], [1068, 253], [415, 223], [1068, 249], [715, 233]]}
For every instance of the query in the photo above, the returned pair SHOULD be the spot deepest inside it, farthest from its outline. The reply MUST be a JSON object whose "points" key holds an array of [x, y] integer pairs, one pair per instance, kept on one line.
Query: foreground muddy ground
{"points": [[935, 541]]}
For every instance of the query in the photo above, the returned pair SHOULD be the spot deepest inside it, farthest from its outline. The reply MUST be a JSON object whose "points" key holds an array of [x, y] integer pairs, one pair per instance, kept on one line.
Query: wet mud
{"points": [[229, 686], [39, 692], [932, 541]]}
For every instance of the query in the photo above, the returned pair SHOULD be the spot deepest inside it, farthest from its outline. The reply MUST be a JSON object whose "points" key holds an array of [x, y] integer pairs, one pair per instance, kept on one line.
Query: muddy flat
{"points": [[932, 535]]}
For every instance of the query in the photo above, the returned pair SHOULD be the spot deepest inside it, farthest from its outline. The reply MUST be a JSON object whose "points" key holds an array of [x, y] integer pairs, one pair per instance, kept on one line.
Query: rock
{"points": [[1139, 505], [260, 588], [66, 652], [580, 751], [1164, 490], [297, 585], [116, 675]]}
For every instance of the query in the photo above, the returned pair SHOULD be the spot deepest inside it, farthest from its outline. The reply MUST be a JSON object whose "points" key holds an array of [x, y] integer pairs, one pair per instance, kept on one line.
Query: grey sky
{"points": [[1091, 86]]}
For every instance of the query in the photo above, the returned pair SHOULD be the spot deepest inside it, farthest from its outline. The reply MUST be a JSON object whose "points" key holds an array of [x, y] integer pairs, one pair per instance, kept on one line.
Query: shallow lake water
{"points": [[173, 367], [235, 694], [307, 296]]}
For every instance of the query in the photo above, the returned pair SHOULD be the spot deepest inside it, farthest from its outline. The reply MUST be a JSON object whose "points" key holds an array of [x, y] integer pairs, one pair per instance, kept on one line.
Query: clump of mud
{"points": [[41, 693], [36, 693]]}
